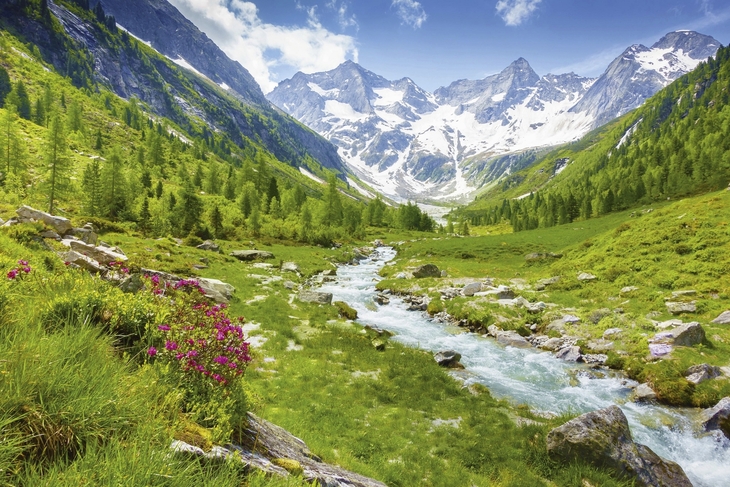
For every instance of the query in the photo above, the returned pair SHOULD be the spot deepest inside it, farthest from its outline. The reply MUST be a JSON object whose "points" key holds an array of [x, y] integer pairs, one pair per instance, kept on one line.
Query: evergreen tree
{"points": [[213, 182], [145, 217], [254, 221], [12, 148], [98, 143], [92, 188], [229, 190], [19, 95], [188, 210], [333, 203], [158, 190], [39, 114], [5, 86], [114, 184], [216, 221], [198, 177], [74, 116], [56, 161]]}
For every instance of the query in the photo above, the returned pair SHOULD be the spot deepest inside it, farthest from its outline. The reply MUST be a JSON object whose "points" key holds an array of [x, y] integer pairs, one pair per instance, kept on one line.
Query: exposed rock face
{"points": [[84, 262], [58, 223], [315, 297], [569, 354], [685, 335], [249, 255], [102, 255], [448, 358], [268, 448], [718, 417], [427, 270], [603, 438], [702, 372]]}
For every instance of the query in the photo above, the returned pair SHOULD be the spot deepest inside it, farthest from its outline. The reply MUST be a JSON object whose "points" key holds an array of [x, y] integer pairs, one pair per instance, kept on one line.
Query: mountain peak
{"points": [[694, 44]]}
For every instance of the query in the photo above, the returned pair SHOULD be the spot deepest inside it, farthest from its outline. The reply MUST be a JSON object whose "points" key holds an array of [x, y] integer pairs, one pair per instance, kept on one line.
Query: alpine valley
{"points": [[412, 144]]}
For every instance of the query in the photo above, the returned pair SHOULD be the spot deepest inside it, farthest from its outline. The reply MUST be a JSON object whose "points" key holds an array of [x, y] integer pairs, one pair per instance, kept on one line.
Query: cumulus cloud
{"points": [[514, 12], [261, 47], [410, 12]]}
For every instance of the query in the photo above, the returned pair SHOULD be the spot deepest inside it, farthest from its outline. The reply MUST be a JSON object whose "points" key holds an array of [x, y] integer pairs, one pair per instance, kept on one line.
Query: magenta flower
{"points": [[152, 351], [170, 345], [22, 262], [221, 359], [13, 274], [164, 327]]}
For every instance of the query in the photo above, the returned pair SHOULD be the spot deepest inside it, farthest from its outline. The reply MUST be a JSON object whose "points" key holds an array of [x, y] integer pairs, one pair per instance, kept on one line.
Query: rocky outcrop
{"points": [[251, 255], [676, 307], [685, 335], [219, 291], [603, 438], [274, 451], [585, 276], [426, 270], [103, 255], [702, 372], [723, 319], [718, 417], [471, 288], [58, 223], [643, 393], [209, 245]]}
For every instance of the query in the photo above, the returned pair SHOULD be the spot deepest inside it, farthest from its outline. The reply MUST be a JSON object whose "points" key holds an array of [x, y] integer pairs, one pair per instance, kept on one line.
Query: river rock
{"points": [[512, 339], [718, 417], [552, 344], [569, 354], [448, 358], [249, 255], [426, 270], [317, 297], [493, 330], [644, 392], [585, 276], [59, 223], [603, 438], [595, 358], [471, 288], [219, 291], [723, 319], [702, 372], [675, 307]]}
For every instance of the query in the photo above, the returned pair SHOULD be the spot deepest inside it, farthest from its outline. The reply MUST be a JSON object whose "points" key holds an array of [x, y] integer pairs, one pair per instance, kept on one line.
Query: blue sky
{"points": [[435, 42]]}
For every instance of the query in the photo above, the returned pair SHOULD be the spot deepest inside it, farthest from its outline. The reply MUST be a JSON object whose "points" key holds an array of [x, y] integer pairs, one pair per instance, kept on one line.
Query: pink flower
{"points": [[13, 274], [22, 262], [164, 327], [170, 345], [26, 269], [152, 351]]}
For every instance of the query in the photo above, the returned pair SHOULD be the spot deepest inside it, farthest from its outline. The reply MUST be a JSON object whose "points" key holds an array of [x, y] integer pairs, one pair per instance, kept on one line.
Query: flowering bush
{"points": [[18, 272], [207, 349]]}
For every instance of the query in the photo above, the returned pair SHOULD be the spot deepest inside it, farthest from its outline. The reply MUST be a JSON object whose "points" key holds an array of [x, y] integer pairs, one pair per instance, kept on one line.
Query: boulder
{"points": [[471, 288], [51, 235], [600, 345], [702, 372], [718, 417], [290, 267], [688, 334], [595, 358], [249, 255], [315, 297], [493, 330], [628, 289], [569, 354], [84, 262], [552, 344], [680, 294], [543, 283], [448, 358], [644, 392], [535, 307], [86, 234], [209, 245], [512, 339], [659, 349], [219, 291], [603, 438], [537, 256], [611, 332], [426, 270], [585, 276], [102, 255], [59, 223], [723, 319], [676, 307]]}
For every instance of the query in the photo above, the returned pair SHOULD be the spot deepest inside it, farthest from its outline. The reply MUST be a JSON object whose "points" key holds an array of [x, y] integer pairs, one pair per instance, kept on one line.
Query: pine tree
{"points": [[213, 182], [21, 100], [56, 161], [12, 153], [158, 190], [333, 203], [5, 86], [98, 144], [114, 184], [92, 188], [216, 221], [73, 116], [39, 114], [144, 217]]}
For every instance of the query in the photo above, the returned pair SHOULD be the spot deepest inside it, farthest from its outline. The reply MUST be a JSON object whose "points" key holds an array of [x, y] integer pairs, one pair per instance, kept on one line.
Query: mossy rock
{"points": [[290, 465], [194, 434], [345, 310]]}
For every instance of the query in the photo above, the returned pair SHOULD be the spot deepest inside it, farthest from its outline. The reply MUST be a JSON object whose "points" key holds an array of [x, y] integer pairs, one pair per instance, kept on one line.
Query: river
{"points": [[537, 378]]}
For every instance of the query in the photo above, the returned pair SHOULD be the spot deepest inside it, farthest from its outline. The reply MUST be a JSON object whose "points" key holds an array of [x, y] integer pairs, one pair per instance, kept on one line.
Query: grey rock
{"points": [[86, 234], [659, 349], [723, 319], [209, 245], [702, 372], [552, 344], [58, 223], [316, 297], [471, 288], [628, 289], [684, 335], [556, 325], [599, 314], [535, 307], [448, 358], [381, 299], [290, 267], [718, 417], [537, 256], [219, 291], [600, 345], [512, 339], [669, 324], [595, 358], [675, 307], [603, 438], [84, 262], [401, 275], [289, 285], [330, 272], [681, 294], [132, 284], [250, 255], [585, 276], [611, 332], [493, 330], [569, 354], [643, 393], [102, 255], [50, 234], [571, 319], [543, 283], [426, 270]]}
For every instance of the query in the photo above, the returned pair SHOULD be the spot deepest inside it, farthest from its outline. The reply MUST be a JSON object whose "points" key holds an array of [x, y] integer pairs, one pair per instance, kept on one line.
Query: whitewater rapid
{"points": [[537, 378]]}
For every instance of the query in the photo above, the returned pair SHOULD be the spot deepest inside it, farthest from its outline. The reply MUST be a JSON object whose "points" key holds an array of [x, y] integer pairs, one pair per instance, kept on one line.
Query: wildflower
{"points": [[221, 359], [13, 274], [26, 269], [164, 327], [170, 345], [152, 351], [22, 262]]}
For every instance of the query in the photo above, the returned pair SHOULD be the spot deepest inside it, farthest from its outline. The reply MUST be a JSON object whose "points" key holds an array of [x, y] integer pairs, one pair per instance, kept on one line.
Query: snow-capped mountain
{"points": [[409, 143]]}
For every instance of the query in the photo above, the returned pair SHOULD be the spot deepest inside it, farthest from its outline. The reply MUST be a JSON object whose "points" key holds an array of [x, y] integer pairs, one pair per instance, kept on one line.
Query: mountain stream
{"points": [[537, 378]]}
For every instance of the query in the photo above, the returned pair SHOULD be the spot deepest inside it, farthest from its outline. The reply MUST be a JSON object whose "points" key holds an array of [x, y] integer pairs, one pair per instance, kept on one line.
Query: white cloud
{"points": [[260, 47], [344, 18], [514, 12], [593, 65], [410, 12]]}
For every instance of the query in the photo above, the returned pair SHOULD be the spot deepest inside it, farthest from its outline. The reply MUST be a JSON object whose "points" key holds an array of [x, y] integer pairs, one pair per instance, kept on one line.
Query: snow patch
{"points": [[225, 86], [147, 43], [498, 97], [311, 176]]}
